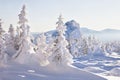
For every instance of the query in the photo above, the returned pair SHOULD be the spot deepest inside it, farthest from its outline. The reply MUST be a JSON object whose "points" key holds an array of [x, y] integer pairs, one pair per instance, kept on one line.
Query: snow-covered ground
{"points": [[50, 72], [107, 67]]}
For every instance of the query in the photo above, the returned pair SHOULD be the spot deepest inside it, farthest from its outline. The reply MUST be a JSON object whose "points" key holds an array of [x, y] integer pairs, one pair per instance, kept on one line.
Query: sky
{"points": [[43, 14]]}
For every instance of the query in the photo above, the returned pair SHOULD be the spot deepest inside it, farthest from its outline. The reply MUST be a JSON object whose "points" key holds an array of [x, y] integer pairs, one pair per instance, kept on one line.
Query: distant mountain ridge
{"points": [[104, 35], [74, 31], [86, 30]]}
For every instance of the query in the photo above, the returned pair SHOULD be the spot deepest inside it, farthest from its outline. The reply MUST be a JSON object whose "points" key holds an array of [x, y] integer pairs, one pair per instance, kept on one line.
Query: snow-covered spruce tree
{"points": [[84, 46], [3, 54], [116, 46], [91, 44], [10, 41], [17, 38], [95, 47], [43, 50], [113, 46], [11, 31], [24, 46], [60, 53]]}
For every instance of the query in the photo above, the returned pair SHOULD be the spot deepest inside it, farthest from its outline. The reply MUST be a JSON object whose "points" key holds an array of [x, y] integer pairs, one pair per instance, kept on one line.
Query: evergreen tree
{"points": [[25, 48], [10, 41], [22, 16], [44, 50], [11, 31], [3, 54], [60, 53], [84, 47]]}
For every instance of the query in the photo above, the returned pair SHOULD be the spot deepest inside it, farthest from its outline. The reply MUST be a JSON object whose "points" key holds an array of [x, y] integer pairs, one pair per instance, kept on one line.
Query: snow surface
{"points": [[107, 67], [50, 72]]}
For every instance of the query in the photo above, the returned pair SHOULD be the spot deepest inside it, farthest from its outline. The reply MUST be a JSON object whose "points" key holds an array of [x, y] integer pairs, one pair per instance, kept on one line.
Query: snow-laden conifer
{"points": [[60, 53]]}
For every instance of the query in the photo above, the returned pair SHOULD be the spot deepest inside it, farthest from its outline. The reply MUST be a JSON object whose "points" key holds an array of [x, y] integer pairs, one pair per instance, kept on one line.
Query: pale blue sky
{"points": [[42, 14]]}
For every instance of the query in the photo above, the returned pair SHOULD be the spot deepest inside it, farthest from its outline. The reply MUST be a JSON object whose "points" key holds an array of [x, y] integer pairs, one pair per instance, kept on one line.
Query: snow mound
{"points": [[114, 55], [115, 72], [94, 69]]}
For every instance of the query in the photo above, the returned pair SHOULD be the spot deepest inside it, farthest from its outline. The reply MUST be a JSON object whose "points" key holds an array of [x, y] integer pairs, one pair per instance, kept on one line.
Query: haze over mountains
{"points": [[86, 30], [104, 35], [74, 30]]}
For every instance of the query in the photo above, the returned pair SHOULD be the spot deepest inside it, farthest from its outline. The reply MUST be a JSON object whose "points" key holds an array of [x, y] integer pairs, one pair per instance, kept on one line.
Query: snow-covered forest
{"points": [[61, 54]]}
